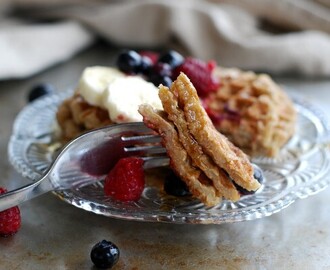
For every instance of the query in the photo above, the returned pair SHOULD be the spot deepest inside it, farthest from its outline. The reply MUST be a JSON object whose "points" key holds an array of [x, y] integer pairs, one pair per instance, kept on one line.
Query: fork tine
{"points": [[144, 144], [133, 140], [145, 149], [154, 162]]}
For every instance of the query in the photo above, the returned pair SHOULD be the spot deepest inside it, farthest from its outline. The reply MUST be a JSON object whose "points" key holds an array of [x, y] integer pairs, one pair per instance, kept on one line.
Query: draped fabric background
{"points": [[264, 35]]}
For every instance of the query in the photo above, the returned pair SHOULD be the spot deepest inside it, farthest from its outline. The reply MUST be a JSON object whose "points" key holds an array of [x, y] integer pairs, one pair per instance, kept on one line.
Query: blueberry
{"points": [[105, 254], [157, 80], [40, 90], [145, 65], [160, 74], [258, 175], [162, 69], [166, 81], [172, 58], [129, 61], [173, 185]]}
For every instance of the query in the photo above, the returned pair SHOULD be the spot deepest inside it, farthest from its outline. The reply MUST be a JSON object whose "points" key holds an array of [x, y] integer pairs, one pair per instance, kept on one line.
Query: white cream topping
{"points": [[123, 97], [94, 81]]}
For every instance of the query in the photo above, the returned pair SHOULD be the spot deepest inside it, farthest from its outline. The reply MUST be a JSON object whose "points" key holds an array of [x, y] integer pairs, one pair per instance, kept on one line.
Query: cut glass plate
{"points": [[301, 169]]}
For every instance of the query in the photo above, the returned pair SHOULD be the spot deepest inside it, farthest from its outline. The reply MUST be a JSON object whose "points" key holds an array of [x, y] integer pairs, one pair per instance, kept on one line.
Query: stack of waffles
{"points": [[202, 157]]}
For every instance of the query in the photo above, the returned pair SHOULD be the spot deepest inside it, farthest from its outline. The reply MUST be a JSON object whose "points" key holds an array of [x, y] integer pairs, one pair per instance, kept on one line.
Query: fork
{"points": [[90, 157]]}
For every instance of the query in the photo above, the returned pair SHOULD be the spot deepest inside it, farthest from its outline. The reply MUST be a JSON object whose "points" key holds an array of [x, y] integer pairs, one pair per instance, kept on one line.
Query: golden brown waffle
{"points": [[252, 111], [76, 116], [196, 148], [203, 162], [180, 162]]}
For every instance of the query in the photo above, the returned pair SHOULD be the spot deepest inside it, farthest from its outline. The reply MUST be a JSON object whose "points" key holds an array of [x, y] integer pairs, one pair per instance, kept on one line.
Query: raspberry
{"points": [[10, 219], [200, 74], [125, 182]]}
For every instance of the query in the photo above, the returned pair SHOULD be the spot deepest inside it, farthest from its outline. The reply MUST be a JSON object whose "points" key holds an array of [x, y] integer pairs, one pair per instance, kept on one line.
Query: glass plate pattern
{"points": [[302, 169]]}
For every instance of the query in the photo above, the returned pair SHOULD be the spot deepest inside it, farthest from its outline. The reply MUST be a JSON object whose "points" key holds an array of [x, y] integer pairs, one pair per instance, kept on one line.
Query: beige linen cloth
{"points": [[264, 35]]}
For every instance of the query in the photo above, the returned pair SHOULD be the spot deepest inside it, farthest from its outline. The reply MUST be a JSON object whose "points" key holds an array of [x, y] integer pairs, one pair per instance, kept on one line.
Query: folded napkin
{"points": [[263, 35]]}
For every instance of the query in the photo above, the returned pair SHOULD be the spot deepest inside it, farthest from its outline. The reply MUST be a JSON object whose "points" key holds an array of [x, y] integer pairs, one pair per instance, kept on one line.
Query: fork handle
{"points": [[22, 194]]}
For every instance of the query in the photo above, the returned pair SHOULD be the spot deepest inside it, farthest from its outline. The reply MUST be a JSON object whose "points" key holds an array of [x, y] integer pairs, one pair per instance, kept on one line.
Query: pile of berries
{"points": [[10, 219], [164, 68]]}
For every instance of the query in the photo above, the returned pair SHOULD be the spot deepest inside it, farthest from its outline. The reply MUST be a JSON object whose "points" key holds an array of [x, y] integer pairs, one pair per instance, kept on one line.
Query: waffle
{"points": [[202, 148], [252, 111], [180, 161], [194, 150], [75, 116]]}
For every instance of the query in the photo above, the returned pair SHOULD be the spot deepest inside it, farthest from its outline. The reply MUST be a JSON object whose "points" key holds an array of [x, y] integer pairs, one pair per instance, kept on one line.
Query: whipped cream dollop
{"points": [[94, 80], [123, 97], [119, 94]]}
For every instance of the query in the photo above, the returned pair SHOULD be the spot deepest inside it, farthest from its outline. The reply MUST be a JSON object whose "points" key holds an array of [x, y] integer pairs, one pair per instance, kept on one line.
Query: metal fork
{"points": [[90, 157]]}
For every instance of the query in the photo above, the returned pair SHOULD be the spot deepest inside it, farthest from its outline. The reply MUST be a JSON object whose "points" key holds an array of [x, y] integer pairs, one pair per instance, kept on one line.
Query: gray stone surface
{"points": [[56, 235]]}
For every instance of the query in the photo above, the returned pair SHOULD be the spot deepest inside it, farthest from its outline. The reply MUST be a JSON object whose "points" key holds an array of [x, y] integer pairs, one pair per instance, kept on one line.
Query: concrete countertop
{"points": [[56, 235]]}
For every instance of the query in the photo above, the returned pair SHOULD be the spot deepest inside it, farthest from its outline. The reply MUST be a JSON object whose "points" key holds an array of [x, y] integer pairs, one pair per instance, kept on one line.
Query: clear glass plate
{"points": [[302, 169]]}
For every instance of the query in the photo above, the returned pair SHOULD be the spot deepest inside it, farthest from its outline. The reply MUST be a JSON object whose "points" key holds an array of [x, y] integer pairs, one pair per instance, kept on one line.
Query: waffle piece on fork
{"points": [[199, 144]]}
